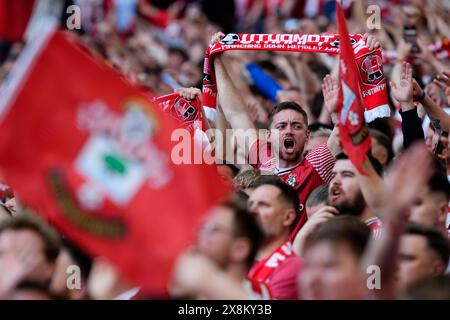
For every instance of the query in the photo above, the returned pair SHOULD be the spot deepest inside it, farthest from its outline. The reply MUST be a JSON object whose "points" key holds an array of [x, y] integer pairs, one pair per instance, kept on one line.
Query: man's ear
{"points": [[438, 267], [289, 217], [240, 249], [443, 208]]}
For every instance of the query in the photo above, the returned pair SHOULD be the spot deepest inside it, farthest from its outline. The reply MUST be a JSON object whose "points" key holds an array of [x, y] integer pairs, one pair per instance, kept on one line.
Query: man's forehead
{"points": [[265, 192], [344, 165], [413, 241], [288, 115]]}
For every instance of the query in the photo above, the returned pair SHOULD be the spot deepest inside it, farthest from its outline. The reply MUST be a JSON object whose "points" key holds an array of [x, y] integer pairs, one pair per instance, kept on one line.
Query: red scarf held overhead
{"points": [[372, 82]]}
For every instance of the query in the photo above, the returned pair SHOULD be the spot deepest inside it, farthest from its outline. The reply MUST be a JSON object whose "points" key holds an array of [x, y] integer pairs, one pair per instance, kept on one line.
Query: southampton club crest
{"points": [[118, 158], [292, 180]]}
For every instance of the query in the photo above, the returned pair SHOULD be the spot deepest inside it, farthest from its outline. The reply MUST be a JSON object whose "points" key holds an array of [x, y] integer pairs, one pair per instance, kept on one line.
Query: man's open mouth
{"points": [[289, 143]]}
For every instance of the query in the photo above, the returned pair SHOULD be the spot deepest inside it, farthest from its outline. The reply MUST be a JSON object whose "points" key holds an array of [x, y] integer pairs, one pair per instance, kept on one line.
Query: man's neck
{"points": [[271, 245], [367, 214], [284, 164], [237, 271]]}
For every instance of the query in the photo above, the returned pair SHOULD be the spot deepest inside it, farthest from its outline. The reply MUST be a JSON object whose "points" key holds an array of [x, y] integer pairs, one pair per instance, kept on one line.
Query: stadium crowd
{"points": [[305, 224]]}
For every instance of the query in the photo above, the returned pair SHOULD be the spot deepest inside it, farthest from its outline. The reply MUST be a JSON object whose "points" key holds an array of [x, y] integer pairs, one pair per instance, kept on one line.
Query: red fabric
{"points": [[369, 73], [353, 131], [278, 272], [14, 18], [95, 162], [283, 281], [187, 112], [376, 226]]}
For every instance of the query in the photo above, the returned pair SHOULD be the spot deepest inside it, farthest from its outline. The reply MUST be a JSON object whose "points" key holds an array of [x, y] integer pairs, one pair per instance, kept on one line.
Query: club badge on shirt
{"points": [[292, 180]]}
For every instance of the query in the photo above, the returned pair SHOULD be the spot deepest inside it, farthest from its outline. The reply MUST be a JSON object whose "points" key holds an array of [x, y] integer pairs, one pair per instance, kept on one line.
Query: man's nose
{"points": [[252, 208], [336, 181]]}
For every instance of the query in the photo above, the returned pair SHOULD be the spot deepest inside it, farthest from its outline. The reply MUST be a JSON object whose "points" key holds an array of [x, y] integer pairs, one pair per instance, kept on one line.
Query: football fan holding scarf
{"points": [[372, 81], [370, 66]]}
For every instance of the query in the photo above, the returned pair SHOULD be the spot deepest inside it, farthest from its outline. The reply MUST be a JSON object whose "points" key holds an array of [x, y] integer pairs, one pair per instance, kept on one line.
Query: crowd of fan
{"points": [[312, 227]]}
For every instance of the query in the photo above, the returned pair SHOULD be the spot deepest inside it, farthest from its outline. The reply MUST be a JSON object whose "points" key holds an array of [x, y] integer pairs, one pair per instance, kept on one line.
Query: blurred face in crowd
{"points": [[344, 192], [315, 141], [293, 134], [416, 260], [411, 15], [272, 213], [330, 272], [429, 209], [435, 93], [216, 236], [12, 246], [217, 240]]}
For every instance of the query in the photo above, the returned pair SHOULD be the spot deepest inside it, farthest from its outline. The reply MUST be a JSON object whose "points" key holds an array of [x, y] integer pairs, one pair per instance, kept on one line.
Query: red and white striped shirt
{"points": [[314, 170]]}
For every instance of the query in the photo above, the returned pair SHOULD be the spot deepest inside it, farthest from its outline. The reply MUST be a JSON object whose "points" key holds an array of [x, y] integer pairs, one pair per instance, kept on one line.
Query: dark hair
{"points": [[313, 127], [318, 195], [435, 240], [83, 260], [179, 51], [232, 167], [27, 221], [287, 105], [288, 194], [383, 140], [438, 183], [246, 226], [345, 229], [375, 163]]}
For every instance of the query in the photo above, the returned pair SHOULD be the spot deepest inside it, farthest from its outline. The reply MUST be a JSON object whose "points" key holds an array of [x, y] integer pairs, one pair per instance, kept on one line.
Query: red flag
{"points": [[187, 112], [92, 154], [14, 18], [353, 130]]}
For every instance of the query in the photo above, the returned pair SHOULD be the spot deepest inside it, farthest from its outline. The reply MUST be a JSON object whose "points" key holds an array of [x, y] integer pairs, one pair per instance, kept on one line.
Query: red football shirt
{"points": [[314, 170]]}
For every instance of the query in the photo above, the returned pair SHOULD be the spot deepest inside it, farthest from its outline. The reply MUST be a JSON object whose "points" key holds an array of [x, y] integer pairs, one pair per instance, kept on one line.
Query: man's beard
{"points": [[355, 208]]}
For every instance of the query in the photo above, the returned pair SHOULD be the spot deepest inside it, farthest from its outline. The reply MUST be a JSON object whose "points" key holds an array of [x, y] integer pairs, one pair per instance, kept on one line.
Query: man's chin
{"points": [[289, 156]]}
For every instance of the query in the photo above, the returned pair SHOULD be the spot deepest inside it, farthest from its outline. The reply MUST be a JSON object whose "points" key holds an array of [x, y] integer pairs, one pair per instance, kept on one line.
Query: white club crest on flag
{"points": [[349, 96], [353, 118]]}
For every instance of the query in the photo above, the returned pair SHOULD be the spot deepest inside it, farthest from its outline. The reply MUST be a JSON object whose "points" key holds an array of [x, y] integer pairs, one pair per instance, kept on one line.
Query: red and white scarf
{"points": [[370, 66], [188, 112], [260, 272]]}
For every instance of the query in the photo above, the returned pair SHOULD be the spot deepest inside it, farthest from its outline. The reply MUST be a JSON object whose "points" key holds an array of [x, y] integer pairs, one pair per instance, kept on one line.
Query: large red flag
{"points": [[353, 131], [14, 18], [92, 154]]}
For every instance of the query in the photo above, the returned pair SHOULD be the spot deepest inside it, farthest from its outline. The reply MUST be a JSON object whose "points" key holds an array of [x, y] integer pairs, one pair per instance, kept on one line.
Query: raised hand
{"points": [[371, 41], [403, 90], [314, 222], [189, 93], [216, 37], [443, 81], [330, 91], [408, 175]]}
